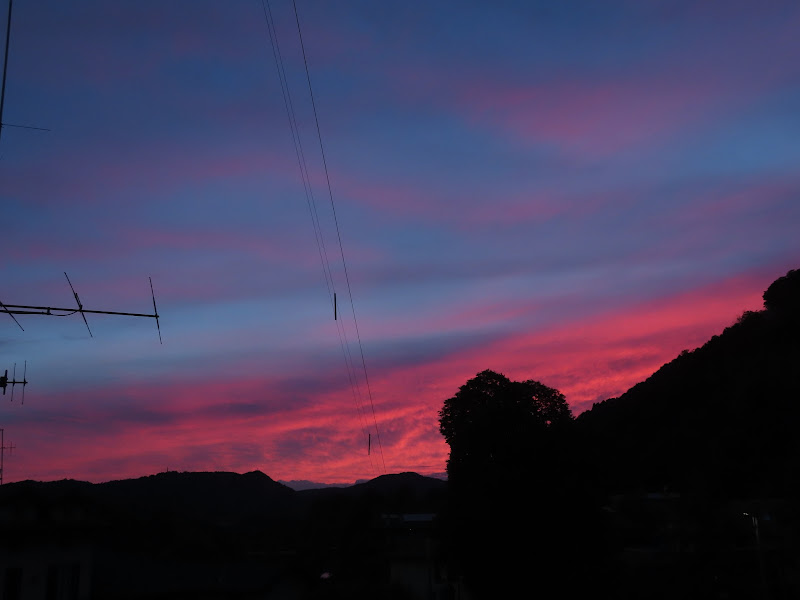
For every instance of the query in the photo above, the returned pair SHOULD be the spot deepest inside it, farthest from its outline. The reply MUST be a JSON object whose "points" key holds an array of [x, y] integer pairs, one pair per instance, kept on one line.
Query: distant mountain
{"points": [[227, 508], [189, 493], [400, 492], [722, 419], [227, 499], [304, 484], [206, 491], [299, 485]]}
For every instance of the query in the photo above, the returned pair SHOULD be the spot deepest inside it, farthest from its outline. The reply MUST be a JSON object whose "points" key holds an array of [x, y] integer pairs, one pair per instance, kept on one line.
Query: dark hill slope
{"points": [[208, 495], [722, 419], [209, 535], [361, 506], [192, 512], [228, 502]]}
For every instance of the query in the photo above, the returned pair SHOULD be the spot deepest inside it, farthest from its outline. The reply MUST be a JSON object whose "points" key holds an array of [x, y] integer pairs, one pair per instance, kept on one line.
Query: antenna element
{"points": [[78, 300]]}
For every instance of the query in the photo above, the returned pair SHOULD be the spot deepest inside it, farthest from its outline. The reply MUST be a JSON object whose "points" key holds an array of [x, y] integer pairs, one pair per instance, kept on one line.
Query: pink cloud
{"points": [[740, 201], [590, 113], [430, 201], [599, 119], [91, 175]]}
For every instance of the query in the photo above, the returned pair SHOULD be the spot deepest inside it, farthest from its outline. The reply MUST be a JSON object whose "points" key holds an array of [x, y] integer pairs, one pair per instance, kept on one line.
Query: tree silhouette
{"points": [[493, 425], [783, 294], [518, 517]]}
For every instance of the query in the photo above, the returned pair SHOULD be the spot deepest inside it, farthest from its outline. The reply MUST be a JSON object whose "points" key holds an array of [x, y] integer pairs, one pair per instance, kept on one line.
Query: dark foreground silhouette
{"points": [[686, 486], [217, 535]]}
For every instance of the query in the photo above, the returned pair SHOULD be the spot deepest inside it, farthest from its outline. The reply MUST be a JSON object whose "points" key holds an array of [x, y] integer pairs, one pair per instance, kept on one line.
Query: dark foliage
{"points": [[696, 471], [703, 458], [494, 425], [519, 516], [718, 420], [783, 295]]}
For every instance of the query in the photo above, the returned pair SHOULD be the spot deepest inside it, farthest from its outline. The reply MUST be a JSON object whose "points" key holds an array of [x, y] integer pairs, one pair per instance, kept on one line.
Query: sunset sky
{"points": [[571, 192]]}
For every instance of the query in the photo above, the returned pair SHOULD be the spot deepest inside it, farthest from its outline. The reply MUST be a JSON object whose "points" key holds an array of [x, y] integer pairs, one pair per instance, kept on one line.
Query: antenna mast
{"points": [[3, 449], [5, 67]]}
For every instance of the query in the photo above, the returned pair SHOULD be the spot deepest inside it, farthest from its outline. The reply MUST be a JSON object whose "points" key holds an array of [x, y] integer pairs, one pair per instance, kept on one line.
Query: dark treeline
{"points": [[686, 486]]}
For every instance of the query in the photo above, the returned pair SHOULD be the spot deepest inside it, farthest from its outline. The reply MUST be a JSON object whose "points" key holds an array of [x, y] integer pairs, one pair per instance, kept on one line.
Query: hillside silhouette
{"points": [[720, 419], [698, 464]]}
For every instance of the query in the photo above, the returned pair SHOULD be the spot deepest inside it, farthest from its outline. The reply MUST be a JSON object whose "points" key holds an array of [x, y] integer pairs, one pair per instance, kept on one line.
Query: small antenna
{"points": [[334, 306], [369, 444], [4, 381], [78, 300]]}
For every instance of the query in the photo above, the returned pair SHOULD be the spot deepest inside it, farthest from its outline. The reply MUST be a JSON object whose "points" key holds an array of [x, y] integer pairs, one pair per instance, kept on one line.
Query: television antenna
{"points": [[3, 449], [4, 381], [20, 309]]}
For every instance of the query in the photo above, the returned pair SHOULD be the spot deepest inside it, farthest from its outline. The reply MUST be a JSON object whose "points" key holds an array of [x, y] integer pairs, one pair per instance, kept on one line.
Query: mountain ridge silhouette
{"points": [[206, 493], [720, 419]]}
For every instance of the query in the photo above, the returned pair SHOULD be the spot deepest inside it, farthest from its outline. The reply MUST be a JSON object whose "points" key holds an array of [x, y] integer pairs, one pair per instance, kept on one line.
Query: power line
{"points": [[314, 213], [311, 202], [338, 232], [298, 146], [26, 127]]}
